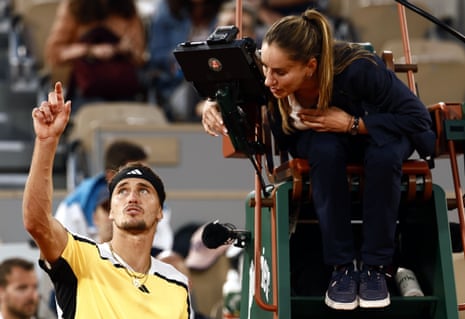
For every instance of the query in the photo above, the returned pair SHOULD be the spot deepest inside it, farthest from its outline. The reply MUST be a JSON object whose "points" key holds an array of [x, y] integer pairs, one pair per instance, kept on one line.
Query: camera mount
{"points": [[229, 71]]}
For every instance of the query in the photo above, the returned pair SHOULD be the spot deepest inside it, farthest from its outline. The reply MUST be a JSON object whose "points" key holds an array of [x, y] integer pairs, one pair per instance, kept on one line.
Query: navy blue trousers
{"points": [[328, 155]]}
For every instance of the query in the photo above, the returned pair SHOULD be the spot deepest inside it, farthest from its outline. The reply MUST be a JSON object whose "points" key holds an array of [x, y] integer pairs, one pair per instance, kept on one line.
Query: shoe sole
{"points": [[341, 305], [375, 303]]}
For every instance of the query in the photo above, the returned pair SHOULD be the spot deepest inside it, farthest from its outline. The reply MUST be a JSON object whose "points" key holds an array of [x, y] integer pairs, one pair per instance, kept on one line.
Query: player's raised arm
{"points": [[50, 120]]}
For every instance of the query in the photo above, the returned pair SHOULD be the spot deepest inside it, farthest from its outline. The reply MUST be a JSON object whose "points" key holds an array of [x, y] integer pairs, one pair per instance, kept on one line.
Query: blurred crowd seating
{"points": [[441, 68]]}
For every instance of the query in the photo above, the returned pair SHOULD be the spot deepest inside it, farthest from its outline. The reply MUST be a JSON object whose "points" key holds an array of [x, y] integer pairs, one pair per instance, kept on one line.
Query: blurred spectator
{"points": [[174, 22], [227, 16], [231, 303], [182, 238], [101, 218], [77, 212], [271, 10], [208, 270], [104, 41], [19, 295], [203, 16], [177, 261], [169, 26]]}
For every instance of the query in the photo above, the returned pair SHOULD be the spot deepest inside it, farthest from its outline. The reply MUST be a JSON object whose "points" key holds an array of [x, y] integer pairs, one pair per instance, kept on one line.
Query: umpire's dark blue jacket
{"points": [[398, 123]]}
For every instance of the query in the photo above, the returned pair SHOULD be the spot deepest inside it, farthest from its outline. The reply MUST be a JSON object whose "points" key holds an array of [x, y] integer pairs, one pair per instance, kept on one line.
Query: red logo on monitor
{"points": [[215, 65]]}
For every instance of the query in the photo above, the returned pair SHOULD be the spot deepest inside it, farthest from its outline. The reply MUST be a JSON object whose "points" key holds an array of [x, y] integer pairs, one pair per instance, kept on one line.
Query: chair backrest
{"points": [[441, 66], [90, 116], [38, 17], [427, 50], [83, 147], [448, 125], [378, 23]]}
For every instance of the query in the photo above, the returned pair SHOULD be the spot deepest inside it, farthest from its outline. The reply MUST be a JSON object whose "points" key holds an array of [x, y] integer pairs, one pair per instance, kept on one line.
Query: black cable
{"points": [[236, 122], [432, 18]]}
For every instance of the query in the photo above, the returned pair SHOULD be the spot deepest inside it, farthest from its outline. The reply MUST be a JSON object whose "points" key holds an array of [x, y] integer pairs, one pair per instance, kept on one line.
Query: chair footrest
{"points": [[401, 307]]}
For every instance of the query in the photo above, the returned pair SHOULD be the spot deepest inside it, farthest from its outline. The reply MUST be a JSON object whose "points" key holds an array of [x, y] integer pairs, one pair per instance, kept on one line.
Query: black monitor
{"points": [[222, 61]]}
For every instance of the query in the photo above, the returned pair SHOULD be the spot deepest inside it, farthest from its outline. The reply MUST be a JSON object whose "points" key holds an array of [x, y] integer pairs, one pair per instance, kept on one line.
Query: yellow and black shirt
{"points": [[91, 283]]}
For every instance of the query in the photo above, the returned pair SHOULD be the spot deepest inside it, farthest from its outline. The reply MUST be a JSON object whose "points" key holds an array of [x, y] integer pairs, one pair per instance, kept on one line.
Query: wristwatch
{"points": [[354, 128]]}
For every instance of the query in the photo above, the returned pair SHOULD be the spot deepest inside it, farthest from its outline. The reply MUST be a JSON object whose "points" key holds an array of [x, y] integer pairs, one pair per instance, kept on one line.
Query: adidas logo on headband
{"points": [[134, 172], [143, 172]]}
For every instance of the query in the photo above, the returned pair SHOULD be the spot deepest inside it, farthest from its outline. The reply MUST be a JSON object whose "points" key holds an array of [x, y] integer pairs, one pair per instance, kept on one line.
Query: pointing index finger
{"points": [[59, 92]]}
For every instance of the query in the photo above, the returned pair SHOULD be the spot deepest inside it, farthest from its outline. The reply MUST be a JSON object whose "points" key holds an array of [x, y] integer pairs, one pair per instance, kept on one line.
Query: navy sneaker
{"points": [[342, 290], [373, 291]]}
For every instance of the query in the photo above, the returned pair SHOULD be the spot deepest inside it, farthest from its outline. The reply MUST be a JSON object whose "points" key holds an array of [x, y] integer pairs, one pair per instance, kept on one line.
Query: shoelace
{"points": [[373, 276], [342, 278]]}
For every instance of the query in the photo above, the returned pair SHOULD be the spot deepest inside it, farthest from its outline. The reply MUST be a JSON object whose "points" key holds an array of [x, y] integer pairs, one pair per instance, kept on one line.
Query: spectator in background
{"points": [[177, 261], [270, 11], [104, 42], [227, 16], [203, 16], [101, 218], [182, 238], [169, 26], [19, 295], [208, 269], [174, 22], [78, 211]]}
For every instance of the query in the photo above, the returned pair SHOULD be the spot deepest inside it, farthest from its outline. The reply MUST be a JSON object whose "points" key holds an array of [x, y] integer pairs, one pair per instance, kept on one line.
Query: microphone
{"points": [[216, 234]]}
